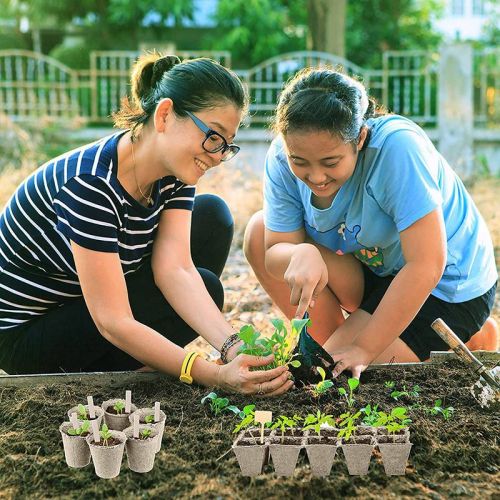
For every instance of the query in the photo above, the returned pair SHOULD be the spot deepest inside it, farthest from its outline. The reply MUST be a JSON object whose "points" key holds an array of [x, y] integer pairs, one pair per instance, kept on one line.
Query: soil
{"points": [[322, 440], [113, 411], [111, 442], [449, 458], [286, 441]]}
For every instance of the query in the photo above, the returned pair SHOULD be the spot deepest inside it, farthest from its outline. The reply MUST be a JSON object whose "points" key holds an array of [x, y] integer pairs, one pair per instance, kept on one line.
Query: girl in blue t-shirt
{"points": [[363, 215], [108, 261]]}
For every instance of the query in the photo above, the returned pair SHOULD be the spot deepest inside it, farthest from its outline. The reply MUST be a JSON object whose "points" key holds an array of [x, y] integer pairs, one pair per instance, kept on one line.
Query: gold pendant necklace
{"points": [[148, 198]]}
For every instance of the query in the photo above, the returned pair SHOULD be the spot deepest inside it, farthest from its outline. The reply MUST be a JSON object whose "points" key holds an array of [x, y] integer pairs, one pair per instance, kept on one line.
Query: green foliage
{"points": [[219, 405], [13, 40], [145, 433], [412, 393], [347, 424], [247, 416], [375, 26], [394, 421], [371, 414], [75, 56], [283, 423], [81, 412], [255, 30], [323, 385], [149, 419], [439, 409], [315, 421], [119, 406], [281, 343], [105, 434], [353, 384], [80, 431]]}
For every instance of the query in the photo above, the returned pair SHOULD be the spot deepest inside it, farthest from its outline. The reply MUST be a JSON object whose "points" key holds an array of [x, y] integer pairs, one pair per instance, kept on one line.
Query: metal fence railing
{"points": [[34, 85]]}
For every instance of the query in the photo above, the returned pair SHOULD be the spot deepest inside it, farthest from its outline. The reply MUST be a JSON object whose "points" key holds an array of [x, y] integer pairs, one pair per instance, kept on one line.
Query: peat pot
{"points": [[251, 453], [99, 414], [107, 459], [159, 426], [141, 452], [321, 451], [116, 422], [284, 452], [76, 449], [395, 450], [358, 452]]}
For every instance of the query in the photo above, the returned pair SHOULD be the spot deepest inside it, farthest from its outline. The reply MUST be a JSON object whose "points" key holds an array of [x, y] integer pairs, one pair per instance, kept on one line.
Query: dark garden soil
{"points": [[453, 458]]}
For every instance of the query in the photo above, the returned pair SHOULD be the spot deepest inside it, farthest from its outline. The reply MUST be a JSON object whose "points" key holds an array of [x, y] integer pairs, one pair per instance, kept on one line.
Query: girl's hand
{"points": [[237, 377], [352, 358], [306, 276]]}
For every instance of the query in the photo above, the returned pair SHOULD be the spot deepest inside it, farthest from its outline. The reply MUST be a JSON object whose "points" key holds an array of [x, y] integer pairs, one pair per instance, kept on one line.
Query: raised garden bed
{"points": [[454, 457]]}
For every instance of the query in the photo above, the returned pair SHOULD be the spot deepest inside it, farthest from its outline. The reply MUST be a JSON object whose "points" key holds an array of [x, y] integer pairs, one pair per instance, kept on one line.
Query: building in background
{"points": [[466, 19]]}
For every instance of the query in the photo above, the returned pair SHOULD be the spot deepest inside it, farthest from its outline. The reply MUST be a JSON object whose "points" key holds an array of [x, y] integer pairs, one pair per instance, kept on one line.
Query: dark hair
{"points": [[192, 85], [324, 99]]}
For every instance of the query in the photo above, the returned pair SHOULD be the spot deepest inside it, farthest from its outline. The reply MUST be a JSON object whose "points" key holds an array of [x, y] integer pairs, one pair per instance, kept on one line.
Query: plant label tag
{"points": [[74, 420], [128, 401], [95, 431], [136, 425], [263, 417], [90, 401], [157, 411]]}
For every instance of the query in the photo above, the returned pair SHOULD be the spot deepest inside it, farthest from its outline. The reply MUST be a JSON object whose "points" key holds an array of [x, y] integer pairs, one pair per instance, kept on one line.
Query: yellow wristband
{"points": [[187, 365]]}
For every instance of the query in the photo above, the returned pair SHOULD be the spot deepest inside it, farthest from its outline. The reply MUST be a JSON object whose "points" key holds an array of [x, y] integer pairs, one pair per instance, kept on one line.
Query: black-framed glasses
{"points": [[214, 142]]}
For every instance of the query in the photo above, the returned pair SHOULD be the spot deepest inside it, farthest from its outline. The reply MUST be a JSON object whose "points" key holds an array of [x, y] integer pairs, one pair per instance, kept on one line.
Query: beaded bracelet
{"points": [[228, 343]]}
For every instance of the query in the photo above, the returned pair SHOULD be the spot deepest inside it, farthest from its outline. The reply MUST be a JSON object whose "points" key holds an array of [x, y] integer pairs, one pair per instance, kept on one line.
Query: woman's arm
{"points": [[105, 292], [288, 258], [424, 250]]}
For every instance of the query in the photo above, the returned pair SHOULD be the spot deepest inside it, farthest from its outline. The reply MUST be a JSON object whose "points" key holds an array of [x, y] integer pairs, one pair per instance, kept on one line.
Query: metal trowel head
{"points": [[483, 392]]}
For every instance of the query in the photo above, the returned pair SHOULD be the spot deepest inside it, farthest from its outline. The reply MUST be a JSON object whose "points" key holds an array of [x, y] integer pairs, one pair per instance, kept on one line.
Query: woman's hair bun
{"points": [[162, 65]]}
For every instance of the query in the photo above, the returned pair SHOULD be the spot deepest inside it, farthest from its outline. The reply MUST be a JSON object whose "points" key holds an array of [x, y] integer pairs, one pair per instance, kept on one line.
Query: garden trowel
{"points": [[487, 389]]}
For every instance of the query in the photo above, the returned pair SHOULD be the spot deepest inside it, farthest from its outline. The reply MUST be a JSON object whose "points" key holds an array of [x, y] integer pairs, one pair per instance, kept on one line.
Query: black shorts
{"points": [[464, 318]]}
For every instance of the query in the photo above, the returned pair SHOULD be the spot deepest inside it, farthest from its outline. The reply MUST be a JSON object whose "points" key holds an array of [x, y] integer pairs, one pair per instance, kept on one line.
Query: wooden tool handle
{"points": [[447, 334]]}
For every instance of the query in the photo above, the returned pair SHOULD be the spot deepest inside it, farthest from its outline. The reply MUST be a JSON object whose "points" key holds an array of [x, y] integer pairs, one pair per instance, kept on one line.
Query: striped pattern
{"points": [[76, 197]]}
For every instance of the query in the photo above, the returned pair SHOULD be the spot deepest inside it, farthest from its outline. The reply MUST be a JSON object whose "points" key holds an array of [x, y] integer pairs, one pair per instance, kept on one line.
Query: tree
{"points": [[326, 26], [376, 25]]}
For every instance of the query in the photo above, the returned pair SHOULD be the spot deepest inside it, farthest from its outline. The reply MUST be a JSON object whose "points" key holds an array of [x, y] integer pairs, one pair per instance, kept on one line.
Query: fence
{"points": [[34, 85]]}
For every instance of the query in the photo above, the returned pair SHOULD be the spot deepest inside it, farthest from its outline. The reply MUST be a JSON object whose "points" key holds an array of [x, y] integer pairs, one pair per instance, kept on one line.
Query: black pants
{"points": [[67, 340]]}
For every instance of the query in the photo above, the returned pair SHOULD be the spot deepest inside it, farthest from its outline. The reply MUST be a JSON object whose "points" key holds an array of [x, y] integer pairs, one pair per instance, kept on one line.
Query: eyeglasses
{"points": [[214, 142]]}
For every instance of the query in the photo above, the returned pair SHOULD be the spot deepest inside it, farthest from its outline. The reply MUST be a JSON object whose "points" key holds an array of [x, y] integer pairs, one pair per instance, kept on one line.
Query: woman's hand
{"points": [[306, 276], [237, 377], [352, 358]]}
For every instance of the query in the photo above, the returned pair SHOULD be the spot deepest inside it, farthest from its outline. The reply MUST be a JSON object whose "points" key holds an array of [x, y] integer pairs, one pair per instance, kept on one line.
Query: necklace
{"points": [[148, 198]]}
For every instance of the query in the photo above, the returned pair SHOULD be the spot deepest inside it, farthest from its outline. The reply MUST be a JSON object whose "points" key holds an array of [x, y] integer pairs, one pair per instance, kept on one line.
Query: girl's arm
{"points": [[424, 250], [105, 292]]}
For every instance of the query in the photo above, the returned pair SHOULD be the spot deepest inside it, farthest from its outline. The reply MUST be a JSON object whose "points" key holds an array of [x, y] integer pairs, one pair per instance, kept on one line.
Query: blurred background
{"points": [[64, 66]]}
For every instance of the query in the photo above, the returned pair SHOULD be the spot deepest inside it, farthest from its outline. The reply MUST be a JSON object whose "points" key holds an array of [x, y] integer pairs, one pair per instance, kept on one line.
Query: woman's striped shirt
{"points": [[76, 196]]}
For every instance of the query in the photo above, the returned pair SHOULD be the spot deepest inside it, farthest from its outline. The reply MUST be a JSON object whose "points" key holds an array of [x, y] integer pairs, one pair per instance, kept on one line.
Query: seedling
{"points": [[105, 433], [390, 384], [347, 425], [219, 405], [149, 419], [119, 406], [82, 412], [353, 383], [394, 421], [145, 433], [247, 416], [281, 343], [80, 431], [371, 414], [323, 385], [283, 422], [439, 409], [409, 393], [315, 421]]}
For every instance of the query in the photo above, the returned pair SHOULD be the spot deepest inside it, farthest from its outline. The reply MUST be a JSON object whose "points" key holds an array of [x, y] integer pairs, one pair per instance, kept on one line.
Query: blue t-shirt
{"points": [[399, 178]]}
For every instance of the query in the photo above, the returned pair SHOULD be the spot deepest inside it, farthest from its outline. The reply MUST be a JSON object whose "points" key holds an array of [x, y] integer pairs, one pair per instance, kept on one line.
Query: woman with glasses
{"points": [[108, 261], [363, 215]]}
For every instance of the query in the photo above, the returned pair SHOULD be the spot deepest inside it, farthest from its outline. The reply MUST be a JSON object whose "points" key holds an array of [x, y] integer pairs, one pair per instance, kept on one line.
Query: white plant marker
{"points": [[263, 417], [136, 425], [128, 401], [95, 431], [90, 402], [157, 411], [74, 420]]}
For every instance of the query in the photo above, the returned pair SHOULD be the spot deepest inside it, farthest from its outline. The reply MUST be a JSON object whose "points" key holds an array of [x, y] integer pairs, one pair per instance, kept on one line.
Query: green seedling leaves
{"points": [[439, 409], [145, 433], [219, 405], [353, 384], [119, 406], [80, 431], [82, 412], [105, 434], [315, 421], [149, 419]]}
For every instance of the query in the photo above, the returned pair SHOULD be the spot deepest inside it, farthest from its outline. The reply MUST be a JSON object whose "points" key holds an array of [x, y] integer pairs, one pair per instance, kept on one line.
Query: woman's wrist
{"points": [[206, 373]]}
